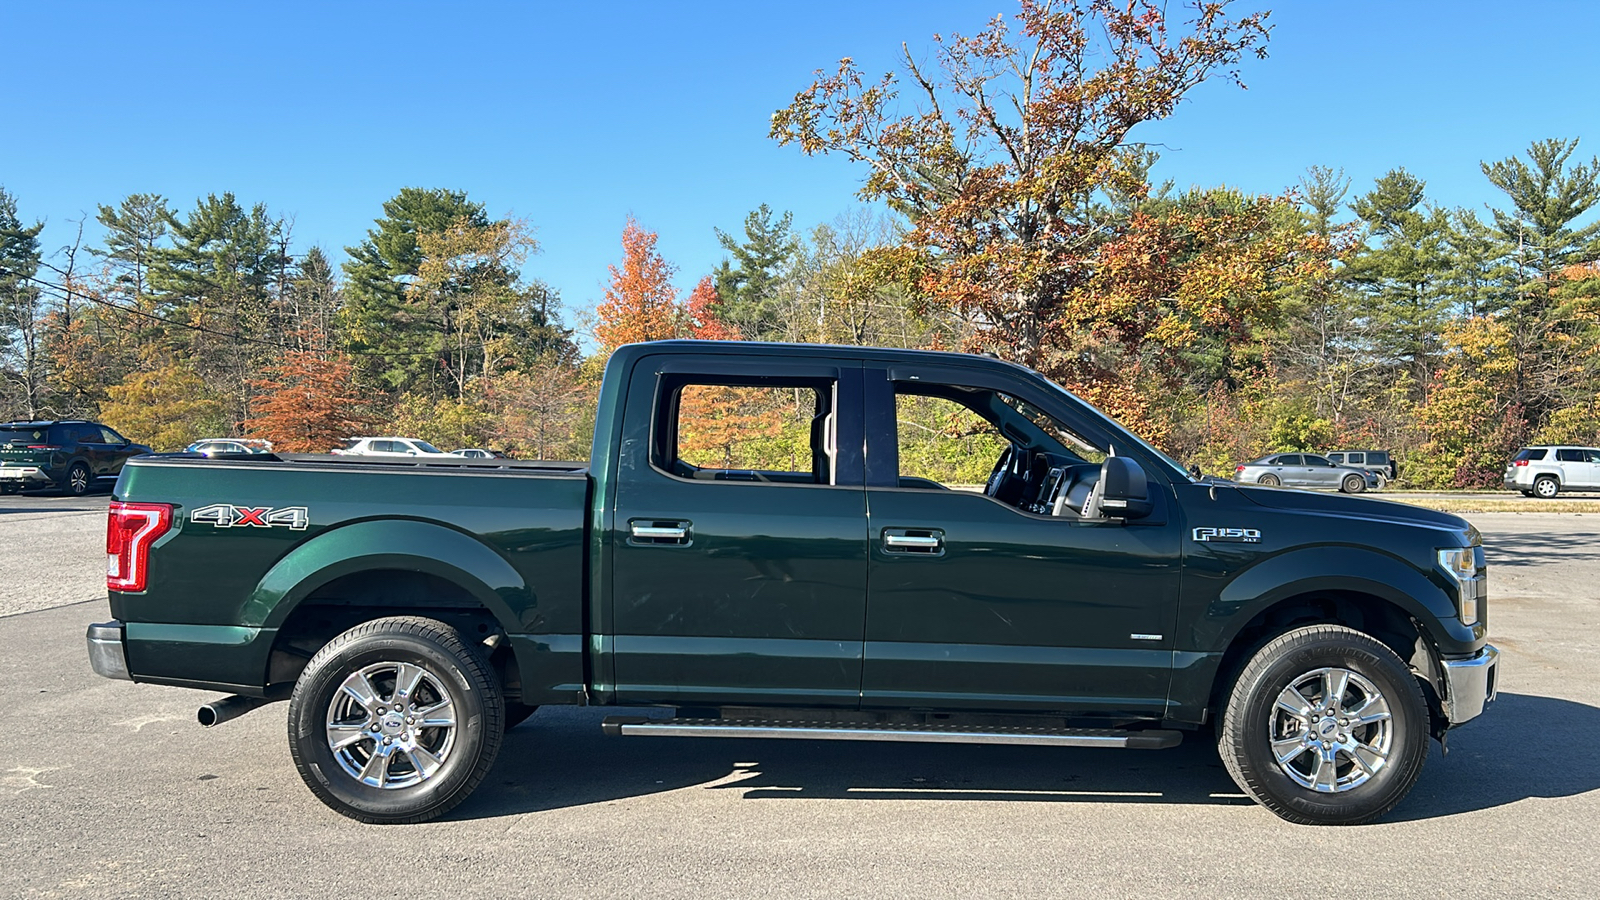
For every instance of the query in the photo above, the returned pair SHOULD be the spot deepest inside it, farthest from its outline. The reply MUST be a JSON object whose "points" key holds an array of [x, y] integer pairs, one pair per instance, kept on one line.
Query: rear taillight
{"points": [[43, 447], [130, 530], [1519, 462], [1238, 469]]}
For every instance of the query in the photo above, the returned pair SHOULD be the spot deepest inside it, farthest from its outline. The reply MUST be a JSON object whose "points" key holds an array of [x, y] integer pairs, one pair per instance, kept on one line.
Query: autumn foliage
{"points": [[640, 302], [308, 403]]}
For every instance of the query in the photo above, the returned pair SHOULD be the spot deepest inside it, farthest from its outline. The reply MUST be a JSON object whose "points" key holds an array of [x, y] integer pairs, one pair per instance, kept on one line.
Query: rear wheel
{"points": [[76, 482], [1546, 487], [396, 720], [6, 489], [1325, 726], [1268, 481], [1353, 484]]}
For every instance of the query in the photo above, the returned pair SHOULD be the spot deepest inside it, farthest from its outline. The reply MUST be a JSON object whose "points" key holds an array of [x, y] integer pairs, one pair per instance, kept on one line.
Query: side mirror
{"points": [[1124, 489]]}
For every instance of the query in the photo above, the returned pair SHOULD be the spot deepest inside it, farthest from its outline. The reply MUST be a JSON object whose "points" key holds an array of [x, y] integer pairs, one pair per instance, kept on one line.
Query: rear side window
{"points": [[1529, 454], [1289, 460], [1568, 454], [1339, 457], [1378, 458], [89, 434], [756, 433], [1358, 459]]}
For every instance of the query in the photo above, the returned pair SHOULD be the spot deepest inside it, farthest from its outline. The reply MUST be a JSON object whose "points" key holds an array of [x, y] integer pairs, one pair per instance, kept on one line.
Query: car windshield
{"points": [[21, 435], [426, 447]]}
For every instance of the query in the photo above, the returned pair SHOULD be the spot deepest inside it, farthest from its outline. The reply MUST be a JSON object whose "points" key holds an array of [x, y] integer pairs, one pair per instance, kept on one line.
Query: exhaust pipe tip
{"points": [[218, 711]]}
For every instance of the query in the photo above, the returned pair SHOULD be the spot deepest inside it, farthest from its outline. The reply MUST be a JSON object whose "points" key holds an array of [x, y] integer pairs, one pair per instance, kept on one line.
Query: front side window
{"points": [[944, 442], [1318, 461], [774, 433]]}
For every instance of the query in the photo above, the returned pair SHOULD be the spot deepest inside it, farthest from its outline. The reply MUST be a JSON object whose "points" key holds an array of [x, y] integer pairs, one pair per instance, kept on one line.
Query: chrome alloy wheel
{"points": [[79, 479], [391, 725], [1331, 730]]}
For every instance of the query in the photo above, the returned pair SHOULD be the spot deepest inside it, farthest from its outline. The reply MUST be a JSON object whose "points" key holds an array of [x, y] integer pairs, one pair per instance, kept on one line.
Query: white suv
{"points": [[392, 446], [1547, 471]]}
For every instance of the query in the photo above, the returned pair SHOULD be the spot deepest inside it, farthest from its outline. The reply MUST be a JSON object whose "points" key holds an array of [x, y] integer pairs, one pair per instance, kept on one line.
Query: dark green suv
{"points": [[66, 454]]}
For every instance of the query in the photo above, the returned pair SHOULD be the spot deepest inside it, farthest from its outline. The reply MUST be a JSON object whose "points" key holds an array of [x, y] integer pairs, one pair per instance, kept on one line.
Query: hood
{"points": [[1357, 507]]}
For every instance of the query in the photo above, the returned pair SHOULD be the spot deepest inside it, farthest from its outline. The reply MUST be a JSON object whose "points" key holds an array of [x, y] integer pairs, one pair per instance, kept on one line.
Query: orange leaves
{"points": [[640, 303], [307, 403]]}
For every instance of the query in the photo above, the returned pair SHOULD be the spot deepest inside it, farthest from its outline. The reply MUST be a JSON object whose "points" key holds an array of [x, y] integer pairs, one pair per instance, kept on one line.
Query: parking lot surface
{"points": [[109, 789]]}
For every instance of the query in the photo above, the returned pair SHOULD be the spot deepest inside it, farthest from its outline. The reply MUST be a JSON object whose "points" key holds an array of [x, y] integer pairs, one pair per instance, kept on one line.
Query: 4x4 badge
{"points": [[226, 515], [1228, 535]]}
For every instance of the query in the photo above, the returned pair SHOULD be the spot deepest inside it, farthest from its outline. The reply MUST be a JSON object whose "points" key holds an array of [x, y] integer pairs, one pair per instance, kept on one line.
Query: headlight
{"points": [[1461, 565]]}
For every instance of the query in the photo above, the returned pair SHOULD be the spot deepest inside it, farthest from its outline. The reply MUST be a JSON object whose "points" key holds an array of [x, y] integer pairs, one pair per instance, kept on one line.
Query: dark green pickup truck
{"points": [[1090, 594]]}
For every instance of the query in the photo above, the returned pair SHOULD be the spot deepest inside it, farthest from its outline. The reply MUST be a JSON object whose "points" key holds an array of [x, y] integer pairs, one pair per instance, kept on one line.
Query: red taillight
{"points": [[43, 447], [1238, 469], [130, 530], [1519, 462]]}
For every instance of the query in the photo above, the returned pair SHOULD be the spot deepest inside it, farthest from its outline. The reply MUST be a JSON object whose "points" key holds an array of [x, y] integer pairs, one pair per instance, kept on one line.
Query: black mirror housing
{"points": [[1125, 490]]}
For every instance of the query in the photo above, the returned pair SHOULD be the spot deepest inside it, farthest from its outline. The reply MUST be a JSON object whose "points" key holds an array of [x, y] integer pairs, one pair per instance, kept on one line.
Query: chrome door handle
{"points": [[914, 541], [658, 532], [911, 541]]}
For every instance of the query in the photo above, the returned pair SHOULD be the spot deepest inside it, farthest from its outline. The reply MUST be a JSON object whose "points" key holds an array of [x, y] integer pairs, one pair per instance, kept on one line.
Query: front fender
{"points": [[404, 544]]}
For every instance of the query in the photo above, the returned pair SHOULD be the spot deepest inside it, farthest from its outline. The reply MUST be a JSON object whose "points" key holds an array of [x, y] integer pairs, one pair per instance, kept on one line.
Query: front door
{"points": [[739, 541], [981, 598]]}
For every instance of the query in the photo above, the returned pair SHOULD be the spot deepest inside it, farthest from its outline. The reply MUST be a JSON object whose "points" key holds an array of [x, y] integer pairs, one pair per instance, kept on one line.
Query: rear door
{"points": [[738, 550], [1290, 470]]}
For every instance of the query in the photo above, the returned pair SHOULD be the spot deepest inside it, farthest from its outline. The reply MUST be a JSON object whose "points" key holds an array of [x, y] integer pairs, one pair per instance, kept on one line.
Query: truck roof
{"points": [[834, 351]]}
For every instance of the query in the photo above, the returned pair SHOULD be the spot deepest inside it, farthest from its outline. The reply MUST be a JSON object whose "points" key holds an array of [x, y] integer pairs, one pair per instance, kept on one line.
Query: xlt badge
{"points": [[1228, 535]]}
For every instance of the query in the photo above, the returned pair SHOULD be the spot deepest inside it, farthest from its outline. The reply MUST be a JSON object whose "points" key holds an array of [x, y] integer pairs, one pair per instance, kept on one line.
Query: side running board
{"points": [[634, 726]]}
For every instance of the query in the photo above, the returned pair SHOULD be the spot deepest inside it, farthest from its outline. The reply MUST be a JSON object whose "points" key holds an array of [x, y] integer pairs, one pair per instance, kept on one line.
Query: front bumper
{"points": [[108, 655], [1470, 684], [25, 474]]}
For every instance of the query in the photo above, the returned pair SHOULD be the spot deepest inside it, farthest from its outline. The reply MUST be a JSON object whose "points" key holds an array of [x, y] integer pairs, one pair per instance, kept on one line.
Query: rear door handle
{"points": [[929, 541]]}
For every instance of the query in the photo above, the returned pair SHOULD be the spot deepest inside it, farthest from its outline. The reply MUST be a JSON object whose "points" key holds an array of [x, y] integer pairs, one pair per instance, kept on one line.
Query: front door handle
{"points": [[928, 541], [657, 531]]}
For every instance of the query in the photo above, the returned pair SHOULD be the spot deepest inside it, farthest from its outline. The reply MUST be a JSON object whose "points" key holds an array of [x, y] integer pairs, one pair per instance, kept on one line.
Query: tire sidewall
{"points": [[1539, 487], [71, 487], [1268, 481], [1409, 727], [1354, 484], [308, 719]]}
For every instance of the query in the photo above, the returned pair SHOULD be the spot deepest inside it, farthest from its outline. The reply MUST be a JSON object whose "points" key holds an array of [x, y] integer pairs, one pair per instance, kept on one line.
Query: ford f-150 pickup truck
{"points": [[1092, 593]]}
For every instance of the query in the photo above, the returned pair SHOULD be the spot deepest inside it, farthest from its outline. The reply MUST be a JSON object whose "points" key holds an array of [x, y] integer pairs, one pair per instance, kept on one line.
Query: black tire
{"points": [[517, 713], [9, 489], [1353, 484], [1546, 487], [77, 480], [1268, 481], [456, 669], [1247, 729]]}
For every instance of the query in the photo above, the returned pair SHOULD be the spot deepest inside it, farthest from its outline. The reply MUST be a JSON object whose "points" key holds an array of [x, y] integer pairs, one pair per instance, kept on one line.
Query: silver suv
{"points": [[1547, 471], [1305, 470]]}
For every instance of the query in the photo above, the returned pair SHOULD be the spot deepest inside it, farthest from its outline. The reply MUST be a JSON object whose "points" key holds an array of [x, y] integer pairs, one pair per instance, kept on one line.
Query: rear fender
{"points": [[403, 544]]}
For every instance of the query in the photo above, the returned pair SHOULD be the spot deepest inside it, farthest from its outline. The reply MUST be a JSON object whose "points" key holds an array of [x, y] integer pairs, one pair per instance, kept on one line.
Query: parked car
{"points": [[478, 453], [1306, 470], [1547, 471], [1092, 595], [215, 446], [1380, 461], [69, 454], [391, 446]]}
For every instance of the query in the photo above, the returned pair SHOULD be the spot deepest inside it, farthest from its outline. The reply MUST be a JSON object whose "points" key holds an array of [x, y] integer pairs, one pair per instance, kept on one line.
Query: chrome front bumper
{"points": [[107, 656], [1470, 684]]}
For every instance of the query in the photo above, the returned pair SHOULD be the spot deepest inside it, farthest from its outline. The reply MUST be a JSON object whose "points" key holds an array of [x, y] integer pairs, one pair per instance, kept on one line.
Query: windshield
{"points": [[426, 447], [1113, 426], [21, 435]]}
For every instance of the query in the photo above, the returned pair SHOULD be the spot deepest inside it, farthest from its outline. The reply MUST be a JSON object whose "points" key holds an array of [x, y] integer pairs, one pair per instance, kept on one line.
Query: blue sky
{"points": [[576, 115]]}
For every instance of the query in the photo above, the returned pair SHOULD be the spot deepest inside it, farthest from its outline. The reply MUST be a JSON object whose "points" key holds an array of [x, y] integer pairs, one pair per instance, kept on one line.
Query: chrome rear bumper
{"points": [[106, 654]]}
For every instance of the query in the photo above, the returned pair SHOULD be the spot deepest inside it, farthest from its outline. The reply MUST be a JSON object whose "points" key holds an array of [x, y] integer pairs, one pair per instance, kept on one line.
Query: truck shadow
{"points": [[560, 759], [1534, 548]]}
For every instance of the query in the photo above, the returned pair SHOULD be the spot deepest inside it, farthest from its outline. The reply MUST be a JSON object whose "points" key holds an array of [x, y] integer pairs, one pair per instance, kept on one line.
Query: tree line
{"points": [[1011, 209]]}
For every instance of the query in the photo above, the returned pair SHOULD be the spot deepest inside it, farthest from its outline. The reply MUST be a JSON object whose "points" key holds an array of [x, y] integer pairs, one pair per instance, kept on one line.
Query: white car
{"points": [[393, 447], [477, 453], [214, 446], [1547, 471]]}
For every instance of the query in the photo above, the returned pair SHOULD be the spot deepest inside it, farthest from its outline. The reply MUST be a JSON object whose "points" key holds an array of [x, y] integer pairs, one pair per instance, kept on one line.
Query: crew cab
{"points": [[780, 541]]}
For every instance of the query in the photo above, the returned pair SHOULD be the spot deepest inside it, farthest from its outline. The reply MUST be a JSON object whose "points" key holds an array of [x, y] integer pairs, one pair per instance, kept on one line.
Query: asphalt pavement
{"points": [[109, 789]]}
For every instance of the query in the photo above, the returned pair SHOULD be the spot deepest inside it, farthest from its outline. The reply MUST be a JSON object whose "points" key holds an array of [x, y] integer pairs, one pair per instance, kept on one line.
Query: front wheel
{"points": [[1353, 484], [396, 720], [1325, 726]]}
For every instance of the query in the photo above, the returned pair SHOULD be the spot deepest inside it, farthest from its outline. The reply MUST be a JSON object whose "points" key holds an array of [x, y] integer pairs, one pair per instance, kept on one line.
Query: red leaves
{"points": [[640, 302]]}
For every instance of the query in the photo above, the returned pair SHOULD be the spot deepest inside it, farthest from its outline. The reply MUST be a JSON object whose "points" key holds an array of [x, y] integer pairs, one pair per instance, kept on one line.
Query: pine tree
{"points": [[1404, 276], [748, 283], [22, 363]]}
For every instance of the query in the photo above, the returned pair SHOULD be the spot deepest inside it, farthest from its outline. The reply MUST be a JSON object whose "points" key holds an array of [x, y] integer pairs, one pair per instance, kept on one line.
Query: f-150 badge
{"points": [[1228, 535], [226, 515]]}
